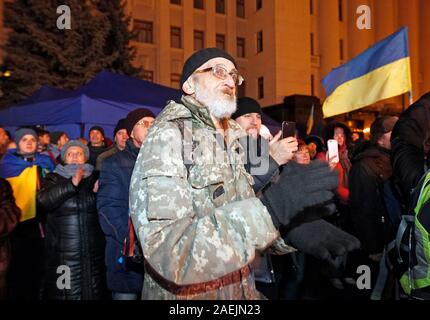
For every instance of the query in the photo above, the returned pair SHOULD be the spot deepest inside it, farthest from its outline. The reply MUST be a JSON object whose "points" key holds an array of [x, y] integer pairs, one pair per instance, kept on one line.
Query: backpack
{"points": [[415, 280], [401, 255], [132, 254]]}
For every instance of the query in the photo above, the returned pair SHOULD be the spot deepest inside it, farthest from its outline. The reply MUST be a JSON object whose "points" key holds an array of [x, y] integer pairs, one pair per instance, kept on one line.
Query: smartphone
{"points": [[333, 150], [288, 129]]}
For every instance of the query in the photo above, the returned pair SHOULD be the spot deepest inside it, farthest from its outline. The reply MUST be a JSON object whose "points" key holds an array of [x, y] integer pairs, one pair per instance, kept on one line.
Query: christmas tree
{"points": [[39, 53]]}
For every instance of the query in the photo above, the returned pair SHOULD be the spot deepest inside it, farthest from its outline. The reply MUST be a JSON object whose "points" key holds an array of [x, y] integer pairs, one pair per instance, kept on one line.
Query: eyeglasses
{"points": [[144, 123], [221, 72]]}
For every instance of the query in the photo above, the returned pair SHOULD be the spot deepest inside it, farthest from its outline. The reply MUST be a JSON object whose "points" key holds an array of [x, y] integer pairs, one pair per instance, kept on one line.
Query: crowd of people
{"points": [[201, 202]]}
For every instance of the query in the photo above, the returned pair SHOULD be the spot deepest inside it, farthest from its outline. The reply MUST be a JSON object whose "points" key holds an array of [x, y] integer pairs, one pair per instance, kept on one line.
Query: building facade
{"points": [[283, 47]]}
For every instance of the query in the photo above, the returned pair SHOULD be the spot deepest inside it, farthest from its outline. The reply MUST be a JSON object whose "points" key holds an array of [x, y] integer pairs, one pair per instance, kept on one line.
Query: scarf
{"points": [[69, 170]]}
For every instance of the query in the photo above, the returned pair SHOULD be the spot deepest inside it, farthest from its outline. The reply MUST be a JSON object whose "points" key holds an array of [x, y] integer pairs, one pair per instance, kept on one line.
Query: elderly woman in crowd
{"points": [[23, 167], [302, 156], [74, 239]]}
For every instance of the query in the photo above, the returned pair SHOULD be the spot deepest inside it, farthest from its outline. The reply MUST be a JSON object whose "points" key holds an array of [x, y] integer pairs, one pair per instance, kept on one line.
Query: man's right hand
{"points": [[282, 150], [299, 187]]}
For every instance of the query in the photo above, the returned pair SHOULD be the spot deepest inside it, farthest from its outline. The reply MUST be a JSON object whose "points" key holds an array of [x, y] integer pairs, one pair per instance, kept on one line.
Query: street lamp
{"points": [[5, 73]]}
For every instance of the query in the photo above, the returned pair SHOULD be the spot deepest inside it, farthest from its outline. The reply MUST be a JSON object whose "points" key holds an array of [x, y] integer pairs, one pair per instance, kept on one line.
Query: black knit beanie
{"points": [[199, 58], [134, 116], [98, 128], [246, 105], [121, 124]]}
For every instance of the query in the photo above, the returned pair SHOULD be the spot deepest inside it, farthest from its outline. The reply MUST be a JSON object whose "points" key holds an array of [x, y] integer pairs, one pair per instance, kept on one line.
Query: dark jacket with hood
{"points": [[410, 142], [370, 169], [73, 238], [112, 204]]}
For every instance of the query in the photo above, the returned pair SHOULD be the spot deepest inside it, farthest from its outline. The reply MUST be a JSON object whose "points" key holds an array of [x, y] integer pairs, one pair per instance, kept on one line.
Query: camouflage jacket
{"points": [[200, 223]]}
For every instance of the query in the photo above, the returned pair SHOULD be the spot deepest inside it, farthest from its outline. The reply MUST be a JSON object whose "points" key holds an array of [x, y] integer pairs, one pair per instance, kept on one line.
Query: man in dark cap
{"points": [[271, 274], [248, 116], [124, 277], [191, 200], [120, 137], [371, 168], [97, 143]]}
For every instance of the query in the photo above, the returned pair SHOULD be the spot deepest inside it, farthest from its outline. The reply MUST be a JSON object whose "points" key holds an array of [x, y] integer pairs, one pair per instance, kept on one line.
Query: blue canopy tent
{"points": [[102, 101]]}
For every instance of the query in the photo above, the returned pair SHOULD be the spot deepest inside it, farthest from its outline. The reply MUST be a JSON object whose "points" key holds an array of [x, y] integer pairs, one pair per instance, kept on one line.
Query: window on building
{"points": [[7, 15], [340, 10], [311, 6], [178, 2], [259, 4], [341, 53], [220, 6], [199, 4], [240, 8], [199, 40], [144, 31], [175, 80], [312, 85], [241, 47], [260, 88], [147, 75], [220, 41], [312, 44], [259, 41], [175, 37]]}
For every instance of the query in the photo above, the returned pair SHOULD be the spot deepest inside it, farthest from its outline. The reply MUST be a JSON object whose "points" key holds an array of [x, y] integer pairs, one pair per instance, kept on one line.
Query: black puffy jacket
{"points": [[73, 239], [410, 144], [370, 169]]}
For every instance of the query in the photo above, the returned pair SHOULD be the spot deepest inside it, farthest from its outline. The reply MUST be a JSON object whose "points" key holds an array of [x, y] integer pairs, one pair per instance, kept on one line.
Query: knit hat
{"points": [[98, 128], [199, 58], [381, 126], [75, 143], [246, 105], [20, 133], [134, 116], [121, 124], [55, 136]]}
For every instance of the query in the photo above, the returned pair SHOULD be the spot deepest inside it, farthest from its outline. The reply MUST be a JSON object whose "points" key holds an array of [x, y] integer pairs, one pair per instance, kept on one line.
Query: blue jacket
{"points": [[112, 205]]}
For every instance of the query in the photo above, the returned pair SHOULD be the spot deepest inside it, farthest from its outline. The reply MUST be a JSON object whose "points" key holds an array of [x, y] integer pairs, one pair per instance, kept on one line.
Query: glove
{"points": [[311, 214], [322, 240], [297, 188]]}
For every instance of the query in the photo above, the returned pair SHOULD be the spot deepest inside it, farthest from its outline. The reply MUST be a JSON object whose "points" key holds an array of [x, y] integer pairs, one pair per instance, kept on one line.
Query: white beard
{"points": [[220, 105]]}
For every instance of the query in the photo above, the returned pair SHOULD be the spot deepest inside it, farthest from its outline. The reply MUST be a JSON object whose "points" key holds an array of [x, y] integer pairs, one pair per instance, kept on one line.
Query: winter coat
{"points": [[199, 231], [106, 154], [27, 240], [409, 141], [73, 238], [112, 205], [370, 169], [9, 217]]}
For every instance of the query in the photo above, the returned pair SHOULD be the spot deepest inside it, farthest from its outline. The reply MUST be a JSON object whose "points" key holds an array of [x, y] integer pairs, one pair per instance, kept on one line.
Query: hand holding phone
{"points": [[333, 151], [288, 129]]}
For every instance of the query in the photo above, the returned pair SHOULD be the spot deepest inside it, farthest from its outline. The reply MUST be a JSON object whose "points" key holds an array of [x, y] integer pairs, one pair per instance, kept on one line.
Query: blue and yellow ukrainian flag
{"points": [[380, 72], [24, 189]]}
